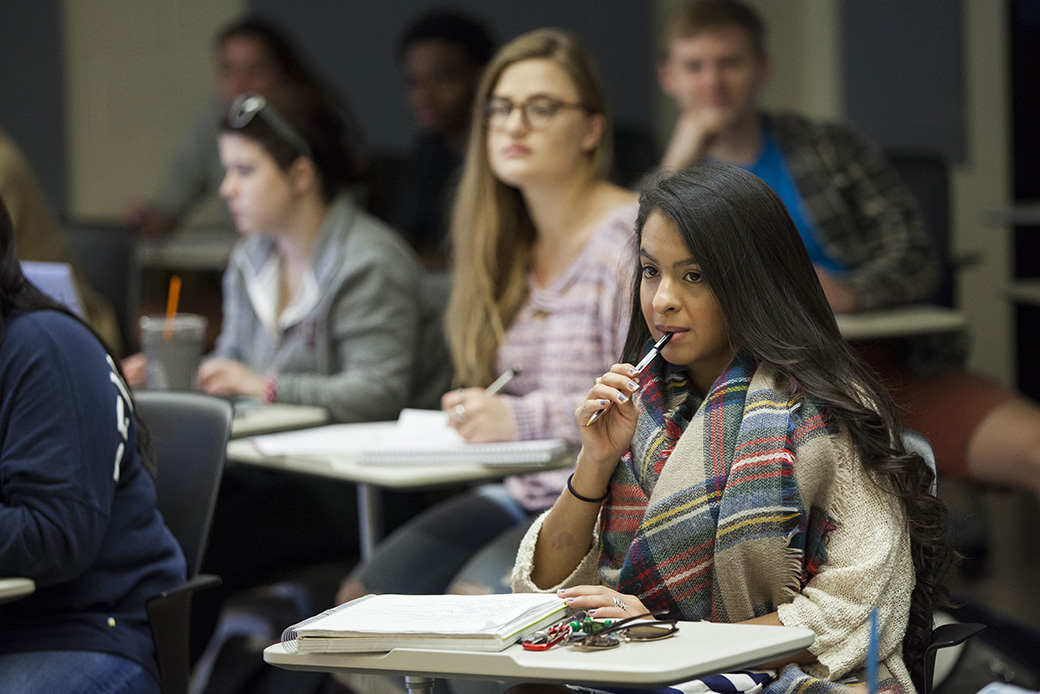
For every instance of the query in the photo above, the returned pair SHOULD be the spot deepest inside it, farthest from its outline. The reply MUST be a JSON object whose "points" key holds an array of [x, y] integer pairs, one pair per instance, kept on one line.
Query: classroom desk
{"points": [[903, 321], [254, 419], [371, 478], [188, 249], [14, 588], [1025, 292], [1021, 213], [699, 648]]}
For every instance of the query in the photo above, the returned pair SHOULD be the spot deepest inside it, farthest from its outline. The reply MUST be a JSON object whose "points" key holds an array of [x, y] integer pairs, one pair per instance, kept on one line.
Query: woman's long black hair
{"points": [[749, 251], [19, 294]]}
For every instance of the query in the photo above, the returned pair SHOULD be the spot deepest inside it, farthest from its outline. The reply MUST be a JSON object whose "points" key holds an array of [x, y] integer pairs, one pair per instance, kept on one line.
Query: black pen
{"points": [[643, 363]]}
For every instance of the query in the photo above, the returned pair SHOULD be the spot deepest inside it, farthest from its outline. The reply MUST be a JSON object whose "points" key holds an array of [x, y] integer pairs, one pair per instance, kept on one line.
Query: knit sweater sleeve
{"points": [[868, 564], [586, 573]]}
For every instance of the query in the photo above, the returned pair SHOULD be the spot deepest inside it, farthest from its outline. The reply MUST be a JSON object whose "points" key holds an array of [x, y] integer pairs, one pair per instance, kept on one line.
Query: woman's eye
{"points": [[693, 276], [499, 109], [543, 110], [244, 170], [649, 271]]}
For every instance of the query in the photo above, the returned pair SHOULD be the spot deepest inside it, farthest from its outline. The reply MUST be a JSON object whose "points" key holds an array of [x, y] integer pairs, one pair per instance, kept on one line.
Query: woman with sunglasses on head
{"points": [[754, 472], [321, 307], [540, 242], [320, 298]]}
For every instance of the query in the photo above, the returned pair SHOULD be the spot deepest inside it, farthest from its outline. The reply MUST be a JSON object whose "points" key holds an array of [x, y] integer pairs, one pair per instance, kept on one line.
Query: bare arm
{"points": [[567, 531]]}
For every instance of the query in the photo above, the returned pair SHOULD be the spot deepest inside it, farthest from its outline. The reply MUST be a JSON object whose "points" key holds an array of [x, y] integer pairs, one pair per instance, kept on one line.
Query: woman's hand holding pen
{"points": [[610, 436], [478, 416]]}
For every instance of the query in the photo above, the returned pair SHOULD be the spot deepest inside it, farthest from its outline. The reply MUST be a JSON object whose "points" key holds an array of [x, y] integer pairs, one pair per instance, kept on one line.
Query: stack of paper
{"points": [[385, 622], [418, 437]]}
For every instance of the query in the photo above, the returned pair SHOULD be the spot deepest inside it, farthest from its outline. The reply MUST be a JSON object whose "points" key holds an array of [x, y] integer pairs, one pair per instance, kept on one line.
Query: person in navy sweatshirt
{"points": [[77, 504]]}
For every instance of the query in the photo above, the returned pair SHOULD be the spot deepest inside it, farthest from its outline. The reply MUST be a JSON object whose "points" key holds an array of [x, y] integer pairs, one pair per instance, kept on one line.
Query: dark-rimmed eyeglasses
{"points": [[538, 112], [248, 106], [627, 630]]}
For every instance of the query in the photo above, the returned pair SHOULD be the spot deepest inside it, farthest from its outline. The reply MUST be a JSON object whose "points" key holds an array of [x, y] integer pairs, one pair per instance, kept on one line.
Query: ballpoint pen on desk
{"points": [[644, 362]]}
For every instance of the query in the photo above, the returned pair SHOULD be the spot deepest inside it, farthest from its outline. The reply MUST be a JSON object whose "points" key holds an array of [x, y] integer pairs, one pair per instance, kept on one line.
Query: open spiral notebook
{"points": [[418, 437]]}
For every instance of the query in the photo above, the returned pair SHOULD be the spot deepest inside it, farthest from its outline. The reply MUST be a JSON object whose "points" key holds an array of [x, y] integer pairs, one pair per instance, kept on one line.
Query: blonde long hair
{"points": [[491, 230]]}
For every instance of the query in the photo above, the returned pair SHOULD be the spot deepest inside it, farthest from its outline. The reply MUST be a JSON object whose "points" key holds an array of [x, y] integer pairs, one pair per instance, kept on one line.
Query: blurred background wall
{"points": [[96, 92]]}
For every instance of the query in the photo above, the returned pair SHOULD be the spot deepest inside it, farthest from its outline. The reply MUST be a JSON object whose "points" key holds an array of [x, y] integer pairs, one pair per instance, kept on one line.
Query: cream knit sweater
{"points": [[868, 564]]}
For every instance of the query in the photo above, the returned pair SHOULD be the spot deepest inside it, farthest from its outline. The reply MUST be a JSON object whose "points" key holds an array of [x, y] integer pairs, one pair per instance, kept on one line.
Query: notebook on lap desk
{"points": [[418, 437], [385, 622], [424, 437]]}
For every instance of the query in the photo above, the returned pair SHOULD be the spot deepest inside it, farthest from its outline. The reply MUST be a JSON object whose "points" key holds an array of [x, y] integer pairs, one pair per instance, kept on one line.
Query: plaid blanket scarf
{"points": [[709, 515]]}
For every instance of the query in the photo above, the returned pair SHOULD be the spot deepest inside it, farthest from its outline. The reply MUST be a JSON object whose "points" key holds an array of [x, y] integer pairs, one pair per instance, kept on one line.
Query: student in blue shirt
{"points": [[77, 504], [859, 223]]}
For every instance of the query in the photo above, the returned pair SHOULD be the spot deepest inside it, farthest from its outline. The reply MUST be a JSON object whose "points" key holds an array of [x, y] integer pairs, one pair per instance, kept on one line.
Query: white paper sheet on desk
{"points": [[423, 437], [418, 437], [330, 440]]}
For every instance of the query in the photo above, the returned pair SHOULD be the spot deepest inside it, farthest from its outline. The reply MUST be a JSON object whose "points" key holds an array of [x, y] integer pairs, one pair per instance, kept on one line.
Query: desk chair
{"points": [[947, 634], [188, 434]]}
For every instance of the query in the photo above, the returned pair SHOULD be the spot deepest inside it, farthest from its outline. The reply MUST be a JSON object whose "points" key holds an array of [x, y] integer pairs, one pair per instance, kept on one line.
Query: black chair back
{"points": [[188, 435], [947, 634], [927, 176]]}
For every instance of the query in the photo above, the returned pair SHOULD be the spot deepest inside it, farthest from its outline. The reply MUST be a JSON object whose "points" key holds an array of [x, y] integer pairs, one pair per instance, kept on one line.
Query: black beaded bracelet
{"points": [[579, 497]]}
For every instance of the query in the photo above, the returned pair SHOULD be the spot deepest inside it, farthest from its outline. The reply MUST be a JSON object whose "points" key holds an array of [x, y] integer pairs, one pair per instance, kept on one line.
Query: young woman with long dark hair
{"points": [[755, 472]]}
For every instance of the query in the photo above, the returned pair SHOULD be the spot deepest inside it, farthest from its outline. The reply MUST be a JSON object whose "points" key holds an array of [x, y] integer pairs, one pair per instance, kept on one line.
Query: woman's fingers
{"points": [[615, 386], [602, 602]]}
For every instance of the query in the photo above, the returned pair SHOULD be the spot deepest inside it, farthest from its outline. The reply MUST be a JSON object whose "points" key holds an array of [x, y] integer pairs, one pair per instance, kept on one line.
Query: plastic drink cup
{"points": [[173, 349]]}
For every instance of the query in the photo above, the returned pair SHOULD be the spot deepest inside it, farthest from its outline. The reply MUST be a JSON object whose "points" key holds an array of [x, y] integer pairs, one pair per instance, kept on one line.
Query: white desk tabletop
{"points": [[370, 479], [349, 468], [699, 648], [919, 319], [14, 588], [256, 419]]}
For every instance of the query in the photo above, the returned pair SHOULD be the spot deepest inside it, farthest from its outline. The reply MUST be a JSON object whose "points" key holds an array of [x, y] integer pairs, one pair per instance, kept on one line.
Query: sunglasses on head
{"points": [[248, 106]]}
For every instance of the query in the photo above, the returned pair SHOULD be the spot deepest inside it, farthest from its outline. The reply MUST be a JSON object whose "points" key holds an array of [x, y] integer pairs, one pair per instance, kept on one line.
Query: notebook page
{"points": [[331, 440]]}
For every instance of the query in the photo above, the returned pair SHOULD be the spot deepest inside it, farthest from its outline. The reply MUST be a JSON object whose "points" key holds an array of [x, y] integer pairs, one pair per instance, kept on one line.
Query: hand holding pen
{"points": [[478, 414], [639, 368], [610, 399]]}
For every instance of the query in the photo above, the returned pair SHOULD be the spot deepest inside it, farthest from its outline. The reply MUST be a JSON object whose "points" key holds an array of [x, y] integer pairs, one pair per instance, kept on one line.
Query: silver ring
{"points": [[460, 413], [619, 603]]}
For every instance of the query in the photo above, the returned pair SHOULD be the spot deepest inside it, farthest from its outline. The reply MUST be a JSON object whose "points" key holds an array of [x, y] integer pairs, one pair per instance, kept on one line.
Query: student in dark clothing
{"points": [[77, 505], [442, 55]]}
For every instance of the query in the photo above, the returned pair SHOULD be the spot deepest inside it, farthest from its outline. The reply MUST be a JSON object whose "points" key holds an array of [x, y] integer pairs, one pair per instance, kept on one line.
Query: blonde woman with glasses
{"points": [[540, 241]]}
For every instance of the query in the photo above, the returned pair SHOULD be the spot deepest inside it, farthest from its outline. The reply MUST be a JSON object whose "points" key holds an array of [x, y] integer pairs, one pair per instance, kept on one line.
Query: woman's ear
{"points": [[597, 126], [303, 175]]}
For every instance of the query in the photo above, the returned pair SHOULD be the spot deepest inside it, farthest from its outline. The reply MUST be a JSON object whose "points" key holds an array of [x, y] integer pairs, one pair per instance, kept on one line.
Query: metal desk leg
{"points": [[370, 518], [419, 685]]}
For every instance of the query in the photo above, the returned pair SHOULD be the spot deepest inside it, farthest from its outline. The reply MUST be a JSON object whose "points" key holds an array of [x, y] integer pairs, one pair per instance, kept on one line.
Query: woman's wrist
{"points": [[589, 482], [270, 387], [581, 497]]}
